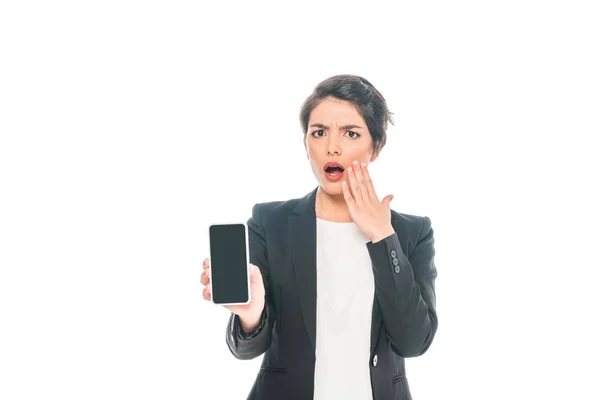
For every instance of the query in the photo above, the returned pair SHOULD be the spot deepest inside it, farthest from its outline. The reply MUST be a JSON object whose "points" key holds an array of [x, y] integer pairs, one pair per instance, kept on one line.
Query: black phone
{"points": [[229, 272]]}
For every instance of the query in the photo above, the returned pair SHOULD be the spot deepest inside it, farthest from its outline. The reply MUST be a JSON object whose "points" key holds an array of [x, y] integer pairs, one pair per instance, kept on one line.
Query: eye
{"points": [[356, 135]]}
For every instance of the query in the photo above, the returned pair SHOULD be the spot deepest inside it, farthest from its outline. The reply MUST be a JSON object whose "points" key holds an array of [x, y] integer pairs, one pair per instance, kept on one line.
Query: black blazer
{"points": [[282, 242]]}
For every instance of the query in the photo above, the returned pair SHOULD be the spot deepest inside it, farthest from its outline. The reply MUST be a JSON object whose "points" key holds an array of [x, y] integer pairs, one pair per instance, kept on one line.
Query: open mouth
{"points": [[334, 170]]}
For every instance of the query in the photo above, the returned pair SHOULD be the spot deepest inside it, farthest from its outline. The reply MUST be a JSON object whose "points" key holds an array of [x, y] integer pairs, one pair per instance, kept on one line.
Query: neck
{"points": [[332, 207]]}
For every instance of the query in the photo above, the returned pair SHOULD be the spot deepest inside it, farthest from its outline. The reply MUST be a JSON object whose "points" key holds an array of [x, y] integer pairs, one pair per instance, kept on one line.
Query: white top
{"points": [[345, 293]]}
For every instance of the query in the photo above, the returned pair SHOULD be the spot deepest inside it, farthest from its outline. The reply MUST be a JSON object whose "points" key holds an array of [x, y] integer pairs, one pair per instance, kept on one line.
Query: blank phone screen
{"points": [[228, 263]]}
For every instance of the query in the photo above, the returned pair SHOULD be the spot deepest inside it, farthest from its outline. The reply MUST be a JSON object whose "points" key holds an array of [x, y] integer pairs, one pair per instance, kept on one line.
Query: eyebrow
{"points": [[341, 127]]}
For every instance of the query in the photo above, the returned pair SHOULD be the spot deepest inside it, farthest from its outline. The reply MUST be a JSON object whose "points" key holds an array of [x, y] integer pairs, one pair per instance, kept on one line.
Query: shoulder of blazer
{"points": [[410, 220], [411, 228], [278, 210]]}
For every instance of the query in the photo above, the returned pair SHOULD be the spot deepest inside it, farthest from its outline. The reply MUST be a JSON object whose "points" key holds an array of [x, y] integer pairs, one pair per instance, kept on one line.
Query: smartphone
{"points": [[229, 272]]}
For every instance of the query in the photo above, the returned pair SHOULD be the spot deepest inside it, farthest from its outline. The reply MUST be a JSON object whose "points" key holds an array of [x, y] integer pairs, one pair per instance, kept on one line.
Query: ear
{"points": [[305, 148], [374, 157]]}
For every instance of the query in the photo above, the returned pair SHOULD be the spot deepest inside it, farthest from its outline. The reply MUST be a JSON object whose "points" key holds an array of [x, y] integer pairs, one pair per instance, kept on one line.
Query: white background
{"points": [[127, 127]]}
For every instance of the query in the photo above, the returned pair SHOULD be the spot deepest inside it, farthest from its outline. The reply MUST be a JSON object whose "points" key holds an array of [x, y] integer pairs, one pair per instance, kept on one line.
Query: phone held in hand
{"points": [[229, 273]]}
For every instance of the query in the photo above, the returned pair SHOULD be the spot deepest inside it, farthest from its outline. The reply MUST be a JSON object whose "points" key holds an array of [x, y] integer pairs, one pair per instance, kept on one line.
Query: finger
{"points": [[255, 274], [354, 186], [206, 293], [347, 196], [369, 183], [360, 179], [206, 263], [205, 277]]}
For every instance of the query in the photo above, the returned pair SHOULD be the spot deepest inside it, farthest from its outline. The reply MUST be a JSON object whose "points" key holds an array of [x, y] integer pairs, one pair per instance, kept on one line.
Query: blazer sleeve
{"points": [[246, 346], [405, 290]]}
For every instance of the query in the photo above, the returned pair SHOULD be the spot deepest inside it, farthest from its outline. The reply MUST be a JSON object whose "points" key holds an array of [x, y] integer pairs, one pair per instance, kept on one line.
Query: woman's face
{"points": [[336, 133]]}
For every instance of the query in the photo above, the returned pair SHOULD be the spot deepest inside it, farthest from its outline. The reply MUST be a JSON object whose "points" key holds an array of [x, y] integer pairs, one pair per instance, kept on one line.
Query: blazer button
{"points": [[395, 261], [375, 360], [397, 269], [393, 253]]}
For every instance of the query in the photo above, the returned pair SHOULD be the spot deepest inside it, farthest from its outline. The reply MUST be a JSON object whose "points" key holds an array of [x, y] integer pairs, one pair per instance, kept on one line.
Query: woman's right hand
{"points": [[249, 313]]}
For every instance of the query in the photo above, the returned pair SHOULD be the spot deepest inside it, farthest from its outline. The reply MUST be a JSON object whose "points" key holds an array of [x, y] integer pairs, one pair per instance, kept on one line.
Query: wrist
{"points": [[382, 235], [250, 323], [249, 326]]}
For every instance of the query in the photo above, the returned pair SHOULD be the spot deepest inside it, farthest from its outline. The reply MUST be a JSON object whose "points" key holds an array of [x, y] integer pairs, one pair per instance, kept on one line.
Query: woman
{"points": [[342, 286]]}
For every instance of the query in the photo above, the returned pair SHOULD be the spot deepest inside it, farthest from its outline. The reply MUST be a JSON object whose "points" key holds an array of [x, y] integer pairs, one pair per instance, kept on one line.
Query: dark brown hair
{"points": [[367, 100]]}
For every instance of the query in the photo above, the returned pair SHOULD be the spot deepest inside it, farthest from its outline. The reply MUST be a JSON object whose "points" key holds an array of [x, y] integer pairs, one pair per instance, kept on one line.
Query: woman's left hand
{"points": [[373, 217]]}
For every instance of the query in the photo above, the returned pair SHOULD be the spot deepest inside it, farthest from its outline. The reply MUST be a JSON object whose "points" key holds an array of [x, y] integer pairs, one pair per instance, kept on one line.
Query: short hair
{"points": [[367, 100]]}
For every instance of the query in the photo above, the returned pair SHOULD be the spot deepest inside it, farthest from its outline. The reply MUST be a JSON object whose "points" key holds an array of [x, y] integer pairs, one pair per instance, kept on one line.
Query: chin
{"points": [[332, 187]]}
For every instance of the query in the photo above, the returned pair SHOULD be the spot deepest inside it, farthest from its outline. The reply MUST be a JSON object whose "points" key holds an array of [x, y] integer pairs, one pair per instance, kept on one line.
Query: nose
{"points": [[332, 146]]}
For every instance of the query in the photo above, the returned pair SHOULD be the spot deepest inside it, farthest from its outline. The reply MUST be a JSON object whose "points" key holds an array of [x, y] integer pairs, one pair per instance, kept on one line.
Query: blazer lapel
{"points": [[303, 238]]}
